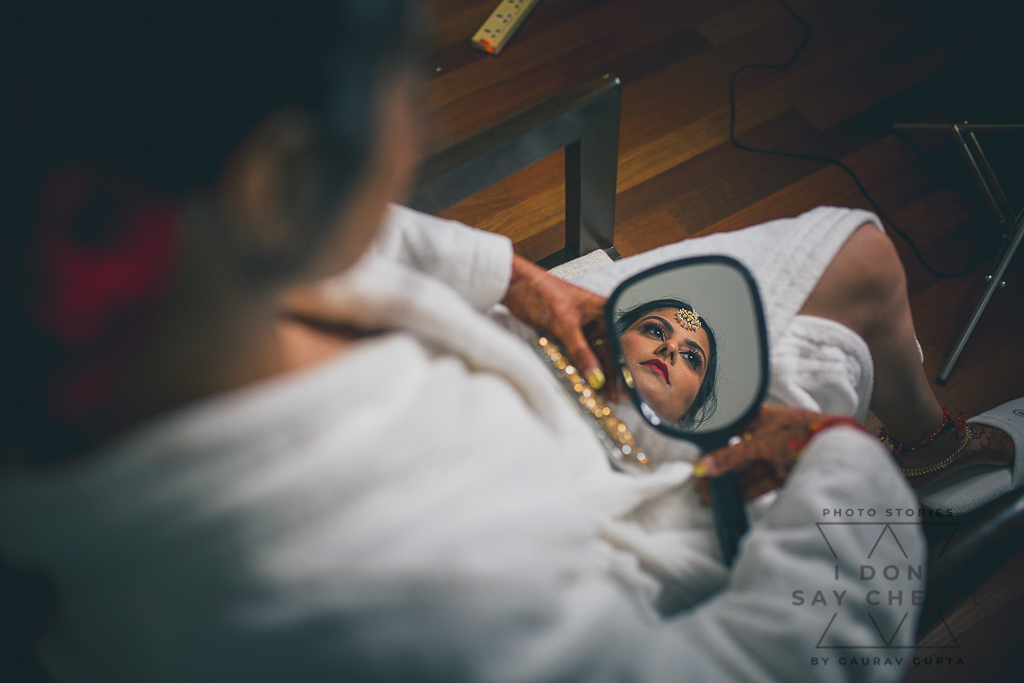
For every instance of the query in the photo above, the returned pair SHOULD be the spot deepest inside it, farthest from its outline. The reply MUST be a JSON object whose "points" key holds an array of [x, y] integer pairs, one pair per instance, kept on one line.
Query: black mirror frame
{"points": [[718, 438]]}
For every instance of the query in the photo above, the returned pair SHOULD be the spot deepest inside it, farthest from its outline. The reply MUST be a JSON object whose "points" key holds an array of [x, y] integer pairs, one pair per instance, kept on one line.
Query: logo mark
{"points": [[886, 529]]}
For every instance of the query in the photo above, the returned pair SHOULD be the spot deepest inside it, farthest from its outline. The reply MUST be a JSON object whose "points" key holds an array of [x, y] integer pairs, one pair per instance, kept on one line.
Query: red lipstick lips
{"points": [[660, 367]]}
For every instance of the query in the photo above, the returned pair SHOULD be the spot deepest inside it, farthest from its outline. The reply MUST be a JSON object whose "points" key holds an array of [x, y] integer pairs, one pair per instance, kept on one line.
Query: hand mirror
{"points": [[689, 342]]}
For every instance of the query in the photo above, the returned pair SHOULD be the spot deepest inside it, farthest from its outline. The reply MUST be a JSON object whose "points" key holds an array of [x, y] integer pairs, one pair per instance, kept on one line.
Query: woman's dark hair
{"points": [[705, 403], [158, 95]]}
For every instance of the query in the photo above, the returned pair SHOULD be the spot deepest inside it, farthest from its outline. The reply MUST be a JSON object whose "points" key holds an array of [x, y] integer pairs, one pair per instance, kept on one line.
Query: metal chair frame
{"points": [[1011, 223]]}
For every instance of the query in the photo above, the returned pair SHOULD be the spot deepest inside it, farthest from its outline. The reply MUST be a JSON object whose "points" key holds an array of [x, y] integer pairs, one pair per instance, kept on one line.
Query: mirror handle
{"points": [[730, 514]]}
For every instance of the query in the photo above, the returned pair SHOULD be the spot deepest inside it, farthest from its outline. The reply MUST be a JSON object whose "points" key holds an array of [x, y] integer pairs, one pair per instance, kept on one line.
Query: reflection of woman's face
{"points": [[667, 361]]}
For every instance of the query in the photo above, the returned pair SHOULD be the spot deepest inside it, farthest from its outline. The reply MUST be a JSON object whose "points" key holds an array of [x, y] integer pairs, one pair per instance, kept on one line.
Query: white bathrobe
{"points": [[429, 505]]}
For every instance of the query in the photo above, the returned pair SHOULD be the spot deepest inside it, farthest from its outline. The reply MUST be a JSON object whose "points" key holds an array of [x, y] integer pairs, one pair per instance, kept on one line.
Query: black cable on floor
{"points": [[825, 160]]}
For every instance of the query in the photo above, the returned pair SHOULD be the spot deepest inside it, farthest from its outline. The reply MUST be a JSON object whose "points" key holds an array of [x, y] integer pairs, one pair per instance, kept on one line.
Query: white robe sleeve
{"points": [[759, 629], [754, 630], [581, 625], [475, 263]]}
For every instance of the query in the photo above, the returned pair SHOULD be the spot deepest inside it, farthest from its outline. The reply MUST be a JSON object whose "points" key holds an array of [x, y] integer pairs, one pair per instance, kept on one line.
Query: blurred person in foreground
{"points": [[257, 425]]}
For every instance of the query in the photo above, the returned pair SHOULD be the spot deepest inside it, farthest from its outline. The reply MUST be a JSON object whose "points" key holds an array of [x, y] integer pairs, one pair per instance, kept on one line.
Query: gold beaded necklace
{"points": [[613, 433]]}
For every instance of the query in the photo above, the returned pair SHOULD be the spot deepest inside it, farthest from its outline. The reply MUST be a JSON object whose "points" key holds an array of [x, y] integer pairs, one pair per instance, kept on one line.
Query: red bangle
{"points": [[899, 448], [833, 420], [825, 423]]}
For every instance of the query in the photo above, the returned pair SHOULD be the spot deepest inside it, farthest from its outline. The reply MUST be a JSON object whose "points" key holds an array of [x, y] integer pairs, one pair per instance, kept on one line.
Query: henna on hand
{"points": [[572, 315], [770, 446]]}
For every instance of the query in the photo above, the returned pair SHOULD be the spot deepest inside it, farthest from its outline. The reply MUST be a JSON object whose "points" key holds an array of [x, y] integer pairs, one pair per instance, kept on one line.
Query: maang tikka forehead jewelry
{"points": [[688, 319]]}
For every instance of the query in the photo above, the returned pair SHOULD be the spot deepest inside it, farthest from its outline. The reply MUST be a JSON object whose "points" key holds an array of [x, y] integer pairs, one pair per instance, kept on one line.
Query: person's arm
{"points": [[480, 266]]}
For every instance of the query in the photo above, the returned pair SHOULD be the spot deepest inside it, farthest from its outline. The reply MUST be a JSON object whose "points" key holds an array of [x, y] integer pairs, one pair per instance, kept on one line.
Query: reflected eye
{"points": [[654, 329], [693, 358]]}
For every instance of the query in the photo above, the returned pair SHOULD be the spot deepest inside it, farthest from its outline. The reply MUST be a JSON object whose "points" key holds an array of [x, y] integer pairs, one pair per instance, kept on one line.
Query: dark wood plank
{"points": [[987, 630]]}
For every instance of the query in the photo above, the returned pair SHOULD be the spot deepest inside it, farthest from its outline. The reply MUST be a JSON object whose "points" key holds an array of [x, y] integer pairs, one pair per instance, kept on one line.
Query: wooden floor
{"points": [[869, 64]]}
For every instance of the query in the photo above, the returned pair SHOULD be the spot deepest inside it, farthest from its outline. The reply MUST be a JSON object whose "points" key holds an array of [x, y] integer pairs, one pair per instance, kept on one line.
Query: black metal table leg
{"points": [[583, 120]]}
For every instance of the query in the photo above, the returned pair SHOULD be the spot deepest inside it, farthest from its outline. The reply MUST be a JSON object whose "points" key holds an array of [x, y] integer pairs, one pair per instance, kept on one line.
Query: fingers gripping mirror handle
{"points": [[730, 515]]}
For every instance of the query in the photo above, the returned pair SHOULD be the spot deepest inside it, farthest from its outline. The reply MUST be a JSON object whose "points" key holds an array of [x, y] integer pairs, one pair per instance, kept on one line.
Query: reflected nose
{"points": [[670, 350]]}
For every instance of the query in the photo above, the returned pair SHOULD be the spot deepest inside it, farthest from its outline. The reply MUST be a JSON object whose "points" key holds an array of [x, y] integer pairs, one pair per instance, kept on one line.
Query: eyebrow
{"points": [[689, 342], [666, 323]]}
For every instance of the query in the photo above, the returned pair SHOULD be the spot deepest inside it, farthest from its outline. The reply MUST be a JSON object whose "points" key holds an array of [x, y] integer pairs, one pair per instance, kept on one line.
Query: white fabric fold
{"points": [[475, 263], [429, 505], [822, 365]]}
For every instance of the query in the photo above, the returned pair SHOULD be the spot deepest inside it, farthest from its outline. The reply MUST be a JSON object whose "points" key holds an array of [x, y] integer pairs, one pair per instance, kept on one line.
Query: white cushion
{"points": [[578, 266]]}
